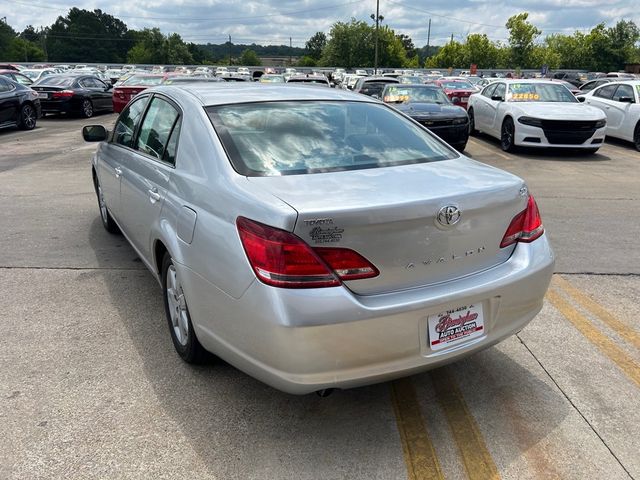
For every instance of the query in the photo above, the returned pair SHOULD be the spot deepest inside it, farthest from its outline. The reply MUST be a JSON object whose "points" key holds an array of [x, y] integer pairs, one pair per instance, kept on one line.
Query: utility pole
{"points": [[428, 38], [452, 38], [378, 18], [229, 50], [290, 52]]}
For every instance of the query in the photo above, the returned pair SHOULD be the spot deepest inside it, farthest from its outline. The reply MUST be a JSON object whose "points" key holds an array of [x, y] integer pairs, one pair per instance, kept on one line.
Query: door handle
{"points": [[118, 172], [154, 196]]}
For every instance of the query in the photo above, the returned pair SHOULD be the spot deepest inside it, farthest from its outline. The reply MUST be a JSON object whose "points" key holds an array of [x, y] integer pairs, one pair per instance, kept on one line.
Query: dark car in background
{"points": [[430, 107], [574, 78], [81, 95], [590, 85], [19, 105], [16, 76], [373, 86]]}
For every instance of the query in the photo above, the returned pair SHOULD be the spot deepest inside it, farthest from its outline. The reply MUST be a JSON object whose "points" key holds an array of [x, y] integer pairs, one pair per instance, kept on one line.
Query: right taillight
{"points": [[525, 226], [281, 259]]}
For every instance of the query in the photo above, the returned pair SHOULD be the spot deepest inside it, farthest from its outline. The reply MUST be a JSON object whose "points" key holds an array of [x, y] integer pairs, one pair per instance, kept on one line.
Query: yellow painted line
{"points": [[476, 458], [492, 151], [626, 332], [607, 346], [419, 454]]}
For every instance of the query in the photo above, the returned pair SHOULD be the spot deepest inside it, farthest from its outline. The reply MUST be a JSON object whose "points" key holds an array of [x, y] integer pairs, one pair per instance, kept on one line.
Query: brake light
{"points": [[525, 226], [63, 94], [281, 259]]}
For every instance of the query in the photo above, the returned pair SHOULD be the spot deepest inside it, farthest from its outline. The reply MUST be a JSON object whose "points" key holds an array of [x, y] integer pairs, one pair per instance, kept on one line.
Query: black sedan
{"points": [[19, 105], [76, 94], [430, 106]]}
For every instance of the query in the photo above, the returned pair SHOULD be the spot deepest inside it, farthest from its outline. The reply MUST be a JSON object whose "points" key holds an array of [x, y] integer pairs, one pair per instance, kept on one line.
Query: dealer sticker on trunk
{"points": [[455, 326]]}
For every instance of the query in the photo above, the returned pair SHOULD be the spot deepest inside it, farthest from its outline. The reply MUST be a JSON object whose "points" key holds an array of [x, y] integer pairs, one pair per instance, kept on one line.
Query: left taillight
{"points": [[282, 259], [63, 94], [525, 227]]}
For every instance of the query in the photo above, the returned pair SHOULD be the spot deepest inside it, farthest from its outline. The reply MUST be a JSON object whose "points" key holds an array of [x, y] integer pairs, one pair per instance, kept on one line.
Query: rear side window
{"points": [[5, 86], [156, 129], [126, 125], [605, 92], [290, 138]]}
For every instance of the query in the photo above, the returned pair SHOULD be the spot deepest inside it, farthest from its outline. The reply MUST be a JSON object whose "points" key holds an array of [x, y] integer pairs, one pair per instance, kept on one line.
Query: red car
{"points": [[457, 89], [133, 86]]}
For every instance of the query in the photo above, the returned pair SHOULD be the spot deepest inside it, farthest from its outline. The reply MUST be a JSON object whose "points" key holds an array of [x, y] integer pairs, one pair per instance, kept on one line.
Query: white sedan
{"points": [[620, 102], [535, 113]]}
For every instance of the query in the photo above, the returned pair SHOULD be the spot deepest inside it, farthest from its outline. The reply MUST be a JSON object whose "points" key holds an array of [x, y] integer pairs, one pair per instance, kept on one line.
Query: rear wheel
{"points": [[87, 108], [472, 123], [175, 305], [507, 135], [636, 137], [27, 118]]}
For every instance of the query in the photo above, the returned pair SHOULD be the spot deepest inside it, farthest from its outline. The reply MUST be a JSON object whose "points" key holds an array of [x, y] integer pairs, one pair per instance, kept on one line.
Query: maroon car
{"points": [[457, 89], [134, 85]]}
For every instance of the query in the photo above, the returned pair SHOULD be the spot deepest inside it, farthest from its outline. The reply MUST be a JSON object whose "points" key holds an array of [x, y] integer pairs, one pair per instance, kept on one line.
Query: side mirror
{"points": [[497, 98], [582, 99], [94, 133], [625, 100]]}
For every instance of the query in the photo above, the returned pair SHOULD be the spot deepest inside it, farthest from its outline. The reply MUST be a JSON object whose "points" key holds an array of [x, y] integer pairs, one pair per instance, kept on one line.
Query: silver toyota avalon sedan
{"points": [[316, 238]]}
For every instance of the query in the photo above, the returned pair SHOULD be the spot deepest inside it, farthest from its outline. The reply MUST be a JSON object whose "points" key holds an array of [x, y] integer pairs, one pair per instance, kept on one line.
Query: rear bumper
{"points": [[59, 106], [300, 341]]}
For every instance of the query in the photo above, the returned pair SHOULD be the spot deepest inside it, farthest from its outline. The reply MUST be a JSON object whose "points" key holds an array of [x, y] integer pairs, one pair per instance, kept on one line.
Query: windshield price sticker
{"points": [[455, 326], [525, 97]]}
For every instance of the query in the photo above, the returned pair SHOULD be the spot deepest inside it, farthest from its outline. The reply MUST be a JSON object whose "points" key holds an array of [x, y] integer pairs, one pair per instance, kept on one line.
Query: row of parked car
{"points": [[519, 112]]}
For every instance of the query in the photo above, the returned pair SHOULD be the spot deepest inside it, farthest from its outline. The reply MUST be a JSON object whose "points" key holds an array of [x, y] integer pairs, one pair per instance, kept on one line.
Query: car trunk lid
{"points": [[397, 218]]}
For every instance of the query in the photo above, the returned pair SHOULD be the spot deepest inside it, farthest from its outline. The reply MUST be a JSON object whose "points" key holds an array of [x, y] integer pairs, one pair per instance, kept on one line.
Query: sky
{"points": [[275, 21]]}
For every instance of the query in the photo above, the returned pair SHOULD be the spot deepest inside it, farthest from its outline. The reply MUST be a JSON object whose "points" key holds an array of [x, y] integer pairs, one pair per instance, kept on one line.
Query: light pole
{"points": [[378, 18]]}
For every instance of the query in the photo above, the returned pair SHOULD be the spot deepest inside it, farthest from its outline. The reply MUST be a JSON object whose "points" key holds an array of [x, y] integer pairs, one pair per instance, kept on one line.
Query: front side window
{"points": [[289, 138], [126, 125], [623, 91], [156, 128], [499, 91], [489, 89]]}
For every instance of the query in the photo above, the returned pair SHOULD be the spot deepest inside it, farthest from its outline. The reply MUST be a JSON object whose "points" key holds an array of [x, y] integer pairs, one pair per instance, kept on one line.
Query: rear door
{"points": [[147, 172], [9, 102]]}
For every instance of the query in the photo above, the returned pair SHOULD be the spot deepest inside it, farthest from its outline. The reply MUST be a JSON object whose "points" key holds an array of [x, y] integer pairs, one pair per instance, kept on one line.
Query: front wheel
{"points": [[107, 221], [87, 108], [636, 137], [175, 305], [507, 135], [27, 118]]}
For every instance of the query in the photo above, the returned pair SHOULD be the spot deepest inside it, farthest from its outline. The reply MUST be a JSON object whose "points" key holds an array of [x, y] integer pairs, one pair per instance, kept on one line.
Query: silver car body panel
{"points": [[301, 340]]}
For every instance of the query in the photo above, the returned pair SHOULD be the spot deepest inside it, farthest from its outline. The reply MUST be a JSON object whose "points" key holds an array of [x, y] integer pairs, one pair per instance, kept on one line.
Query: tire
{"points": [[636, 137], [28, 117], [86, 109], [180, 327], [507, 135], [107, 221], [460, 146], [472, 123]]}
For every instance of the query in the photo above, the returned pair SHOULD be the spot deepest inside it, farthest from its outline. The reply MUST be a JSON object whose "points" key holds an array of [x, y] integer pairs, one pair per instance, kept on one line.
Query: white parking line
{"points": [[492, 151]]}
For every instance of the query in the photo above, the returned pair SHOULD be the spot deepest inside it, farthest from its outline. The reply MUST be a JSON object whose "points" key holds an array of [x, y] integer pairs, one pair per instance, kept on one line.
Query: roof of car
{"points": [[229, 93]]}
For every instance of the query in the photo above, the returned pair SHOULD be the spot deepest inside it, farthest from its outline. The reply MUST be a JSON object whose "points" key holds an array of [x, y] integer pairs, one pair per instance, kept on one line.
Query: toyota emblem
{"points": [[448, 215]]}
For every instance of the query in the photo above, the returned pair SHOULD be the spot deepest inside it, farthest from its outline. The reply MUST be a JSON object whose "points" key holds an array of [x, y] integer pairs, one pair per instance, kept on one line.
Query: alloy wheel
{"points": [[177, 307], [28, 117], [87, 108], [507, 134]]}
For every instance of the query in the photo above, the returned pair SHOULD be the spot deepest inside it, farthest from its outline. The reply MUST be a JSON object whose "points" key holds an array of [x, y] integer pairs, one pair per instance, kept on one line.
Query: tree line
{"points": [[98, 37]]}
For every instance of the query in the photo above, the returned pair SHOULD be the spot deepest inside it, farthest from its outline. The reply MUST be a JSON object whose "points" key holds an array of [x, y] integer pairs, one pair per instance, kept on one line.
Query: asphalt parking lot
{"points": [[91, 387]]}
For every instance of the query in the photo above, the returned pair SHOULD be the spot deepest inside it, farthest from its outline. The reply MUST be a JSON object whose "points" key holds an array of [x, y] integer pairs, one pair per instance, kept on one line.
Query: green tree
{"points": [[154, 47], [522, 36], [307, 61], [315, 45], [480, 50], [249, 57], [21, 50], [85, 35], [408, 45], [7, 34], [453, 55]]}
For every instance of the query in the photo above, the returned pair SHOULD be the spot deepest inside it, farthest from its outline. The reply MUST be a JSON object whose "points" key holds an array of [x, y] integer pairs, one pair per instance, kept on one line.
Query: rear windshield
{"points": [[456, 85], [143, 80], [56, 81], [290, 138]]}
